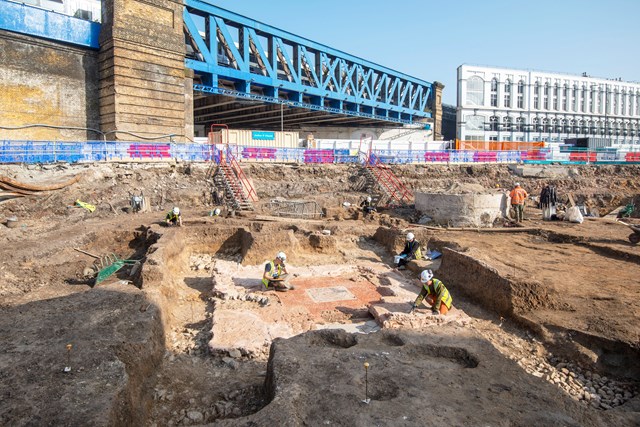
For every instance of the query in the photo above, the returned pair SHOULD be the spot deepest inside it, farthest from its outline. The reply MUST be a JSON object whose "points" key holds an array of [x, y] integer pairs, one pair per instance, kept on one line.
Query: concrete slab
{"points": [[332, 294]]}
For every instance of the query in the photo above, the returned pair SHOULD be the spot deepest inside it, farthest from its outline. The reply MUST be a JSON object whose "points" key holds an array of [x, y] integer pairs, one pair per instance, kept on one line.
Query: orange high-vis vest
{"points": [[518, 195]]}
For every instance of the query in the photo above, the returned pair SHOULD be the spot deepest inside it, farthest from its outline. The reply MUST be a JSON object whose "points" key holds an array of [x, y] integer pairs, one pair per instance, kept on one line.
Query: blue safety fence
{"points": [[40, 152], [95, 151]]}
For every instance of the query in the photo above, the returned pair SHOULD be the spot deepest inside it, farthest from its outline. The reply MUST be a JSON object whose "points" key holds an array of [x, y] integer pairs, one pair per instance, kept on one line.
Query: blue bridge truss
{"points": [[239, 57]]}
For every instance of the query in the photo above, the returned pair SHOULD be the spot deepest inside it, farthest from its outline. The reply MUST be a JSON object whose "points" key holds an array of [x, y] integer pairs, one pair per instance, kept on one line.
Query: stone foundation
{"points": [[462, 210]]}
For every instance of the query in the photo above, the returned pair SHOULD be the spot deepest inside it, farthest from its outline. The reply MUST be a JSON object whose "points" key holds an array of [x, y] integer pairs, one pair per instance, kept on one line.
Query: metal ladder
{"points": [[238, 191], [394, 191]]}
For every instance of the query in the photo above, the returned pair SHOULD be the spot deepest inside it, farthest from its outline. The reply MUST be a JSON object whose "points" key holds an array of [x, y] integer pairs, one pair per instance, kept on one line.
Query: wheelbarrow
{"points": [[635, 236], [107, 265]]}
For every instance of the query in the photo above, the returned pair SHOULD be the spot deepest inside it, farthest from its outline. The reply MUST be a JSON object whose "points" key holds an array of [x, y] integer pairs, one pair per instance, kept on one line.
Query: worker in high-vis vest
{"points": [[275, 274], [174, 217], [411, 251], [434, 293]]}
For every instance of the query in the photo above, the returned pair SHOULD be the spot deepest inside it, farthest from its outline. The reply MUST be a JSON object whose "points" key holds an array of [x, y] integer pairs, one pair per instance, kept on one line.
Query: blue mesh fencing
{"points": [[95, 151]]}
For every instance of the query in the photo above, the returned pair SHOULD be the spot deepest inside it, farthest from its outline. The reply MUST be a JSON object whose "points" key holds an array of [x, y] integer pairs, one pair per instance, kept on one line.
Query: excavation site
{"points": [[112, 316]]}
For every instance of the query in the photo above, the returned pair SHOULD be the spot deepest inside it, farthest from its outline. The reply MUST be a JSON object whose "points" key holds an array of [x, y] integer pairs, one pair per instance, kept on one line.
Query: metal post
{"points": [[606, 107]]}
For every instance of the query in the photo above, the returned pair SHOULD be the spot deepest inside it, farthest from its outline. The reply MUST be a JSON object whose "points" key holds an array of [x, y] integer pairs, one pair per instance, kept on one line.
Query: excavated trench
{"points": [[179, 277], [532, 304]]}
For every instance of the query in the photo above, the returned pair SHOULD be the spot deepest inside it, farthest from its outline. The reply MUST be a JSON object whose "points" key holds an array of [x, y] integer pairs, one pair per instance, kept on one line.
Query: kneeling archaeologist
{"points": [[435, 292], [411, 251], [174, 217], [367, 206], [275, 274]]}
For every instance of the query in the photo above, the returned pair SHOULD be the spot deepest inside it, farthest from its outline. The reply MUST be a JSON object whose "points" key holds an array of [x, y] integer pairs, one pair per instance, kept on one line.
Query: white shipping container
{"points": [[258, 138]]}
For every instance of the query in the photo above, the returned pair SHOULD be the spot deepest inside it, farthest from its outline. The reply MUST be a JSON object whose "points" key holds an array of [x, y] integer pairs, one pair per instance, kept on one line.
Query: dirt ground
{"points": [[545, 329]]}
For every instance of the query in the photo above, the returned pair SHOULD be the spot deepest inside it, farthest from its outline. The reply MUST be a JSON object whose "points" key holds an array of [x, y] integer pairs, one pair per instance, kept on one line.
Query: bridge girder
{"points": [[235, 56]]}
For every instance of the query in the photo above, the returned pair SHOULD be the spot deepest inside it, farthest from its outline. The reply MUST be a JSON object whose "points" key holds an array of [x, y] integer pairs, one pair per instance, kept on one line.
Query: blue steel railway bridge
{"points": [[236, 58], [169, 66]]}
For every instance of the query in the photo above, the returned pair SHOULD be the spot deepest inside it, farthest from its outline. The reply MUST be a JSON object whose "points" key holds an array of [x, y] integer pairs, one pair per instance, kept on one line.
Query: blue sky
{"points": [[430, 39]]}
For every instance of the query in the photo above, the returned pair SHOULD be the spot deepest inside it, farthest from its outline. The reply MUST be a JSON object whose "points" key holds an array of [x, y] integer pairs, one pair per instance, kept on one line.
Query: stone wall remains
{"points": [[462, 210]]}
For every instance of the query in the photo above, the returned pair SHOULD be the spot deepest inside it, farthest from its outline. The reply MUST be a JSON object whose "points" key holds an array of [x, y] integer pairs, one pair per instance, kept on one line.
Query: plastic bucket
{"points": [[12, 222]]}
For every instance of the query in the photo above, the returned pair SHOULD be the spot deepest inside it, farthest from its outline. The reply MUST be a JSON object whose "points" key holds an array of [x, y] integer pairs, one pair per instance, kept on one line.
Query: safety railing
{"points": [[230, 159], [392, 186], [12, 151]]}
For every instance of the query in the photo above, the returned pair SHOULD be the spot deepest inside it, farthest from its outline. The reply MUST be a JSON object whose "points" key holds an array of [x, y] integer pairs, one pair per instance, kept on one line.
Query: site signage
{"points": [[263, 136]]}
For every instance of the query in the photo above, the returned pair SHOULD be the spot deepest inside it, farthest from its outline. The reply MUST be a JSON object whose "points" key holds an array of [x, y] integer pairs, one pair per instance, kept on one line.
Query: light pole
{"points": [[606, 108]]}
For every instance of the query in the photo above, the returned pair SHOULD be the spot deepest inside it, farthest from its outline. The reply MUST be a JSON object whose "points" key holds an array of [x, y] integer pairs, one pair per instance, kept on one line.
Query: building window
{"points": [[615, 102], [507, 94], [474, 123], [521, 94], [565, 97], [626, 108], [575, 98], [507, 122], [545, 97], [545, 125], [590, 128], [519, 124], [536, 125], [493, 123], [554, 126], [536, 96], [493, 138], [573, 128], [583, 105], [592, 100], [556, 93], [494, 92], [475, 90]]}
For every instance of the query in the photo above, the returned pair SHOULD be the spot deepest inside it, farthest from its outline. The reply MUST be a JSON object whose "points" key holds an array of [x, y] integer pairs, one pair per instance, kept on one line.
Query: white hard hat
{"points": [[517, 184], [282, 256], [176, 211], [216, 211], [368, 198], [410, 236], [425, 276]]}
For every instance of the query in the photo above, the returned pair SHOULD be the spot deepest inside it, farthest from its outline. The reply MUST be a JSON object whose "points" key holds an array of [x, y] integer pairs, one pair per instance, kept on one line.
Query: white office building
{"points": [[503, 104]]}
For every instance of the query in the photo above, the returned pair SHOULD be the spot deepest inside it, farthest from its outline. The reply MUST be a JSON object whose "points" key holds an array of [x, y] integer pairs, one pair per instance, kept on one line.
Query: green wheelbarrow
{"points": [[107, 265]]}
